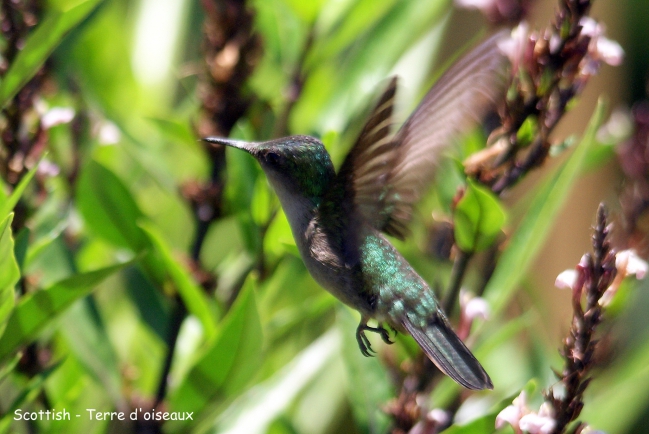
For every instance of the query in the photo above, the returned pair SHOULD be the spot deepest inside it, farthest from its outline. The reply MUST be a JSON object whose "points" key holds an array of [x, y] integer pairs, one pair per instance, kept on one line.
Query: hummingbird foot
{"points": [[364, 342]]}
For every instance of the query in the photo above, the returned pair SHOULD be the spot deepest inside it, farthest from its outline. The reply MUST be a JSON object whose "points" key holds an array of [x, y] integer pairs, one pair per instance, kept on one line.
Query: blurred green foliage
{"points": [[105, 253]]}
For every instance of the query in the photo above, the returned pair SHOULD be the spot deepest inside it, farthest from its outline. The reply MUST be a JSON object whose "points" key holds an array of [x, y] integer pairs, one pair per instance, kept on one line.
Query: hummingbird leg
{"points": [[364, 342], [385, 335]]}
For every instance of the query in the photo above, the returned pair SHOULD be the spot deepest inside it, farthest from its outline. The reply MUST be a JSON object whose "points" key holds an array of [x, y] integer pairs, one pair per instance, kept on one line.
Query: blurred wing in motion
{"points": [[385, 175]]}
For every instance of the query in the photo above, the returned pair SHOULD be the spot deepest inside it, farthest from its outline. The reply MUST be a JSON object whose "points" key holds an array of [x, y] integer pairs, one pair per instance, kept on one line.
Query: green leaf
{"points": [[89, 342], [263, 202], [530, 235], [20, 248], [228, 366], [479, 218], [192, 295], [108, 207], [35, 311], [307, 11], [344, 72], [27, 395], [15, 196], [9, 271], [48, 34], [527, 131], [369, 382]]}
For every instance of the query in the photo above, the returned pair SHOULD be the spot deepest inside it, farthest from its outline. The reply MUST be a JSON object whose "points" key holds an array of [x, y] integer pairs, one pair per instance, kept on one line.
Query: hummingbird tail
{"points": [[447, 351]]}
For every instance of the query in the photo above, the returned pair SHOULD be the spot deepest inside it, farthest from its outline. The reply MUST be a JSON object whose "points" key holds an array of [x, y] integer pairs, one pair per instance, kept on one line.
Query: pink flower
{"points": [[471, 307], [522, 419], [629, 263], [514, 46], [590, 27], [512, 414], [566, 279], [600, 47], [541, 423], [56, 116], [482, 5], [609, 51]]}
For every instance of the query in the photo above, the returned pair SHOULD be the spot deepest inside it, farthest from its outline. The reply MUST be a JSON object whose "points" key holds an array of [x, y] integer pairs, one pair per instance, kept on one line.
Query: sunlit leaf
{"points": [[48, 34], [228, 366], [37, 310], [28, 394], [9, 271], [479, 218], [88, 340], [15, 196], [369, 382], [192, 295], [108, 207]]}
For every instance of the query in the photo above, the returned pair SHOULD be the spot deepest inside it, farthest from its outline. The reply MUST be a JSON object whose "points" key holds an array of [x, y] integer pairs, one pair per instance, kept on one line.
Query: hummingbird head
{"points": [[295, 165]]}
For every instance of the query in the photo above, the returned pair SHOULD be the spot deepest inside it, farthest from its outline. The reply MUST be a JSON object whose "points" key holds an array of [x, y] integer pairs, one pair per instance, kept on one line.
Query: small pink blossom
{"points": [[477, 307], [590, 430], [514, 46], [476, 4], [108, 133], [609, 51], [439, 416], [590, 27], [471, 307], [539, 423], [629, 263], [600, 47], [566, 279], [48, 168], [512, 414], [57, 116], [522, 419]]}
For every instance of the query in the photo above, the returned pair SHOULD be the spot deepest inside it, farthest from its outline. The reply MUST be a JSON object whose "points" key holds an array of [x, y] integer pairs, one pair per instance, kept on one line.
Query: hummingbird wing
{"points": [[385, 174]]}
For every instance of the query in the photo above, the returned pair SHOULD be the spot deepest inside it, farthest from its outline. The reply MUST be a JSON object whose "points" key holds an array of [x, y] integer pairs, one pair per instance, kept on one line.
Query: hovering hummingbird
{"points": [[337, 220]]}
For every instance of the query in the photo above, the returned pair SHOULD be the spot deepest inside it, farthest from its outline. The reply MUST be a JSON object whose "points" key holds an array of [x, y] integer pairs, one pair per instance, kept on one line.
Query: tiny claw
{"points": [[385, 335], [364, 342]]}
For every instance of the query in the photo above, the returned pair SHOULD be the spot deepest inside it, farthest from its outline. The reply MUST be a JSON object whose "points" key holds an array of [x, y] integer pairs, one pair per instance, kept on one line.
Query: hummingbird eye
{"points": [[273, 158]]}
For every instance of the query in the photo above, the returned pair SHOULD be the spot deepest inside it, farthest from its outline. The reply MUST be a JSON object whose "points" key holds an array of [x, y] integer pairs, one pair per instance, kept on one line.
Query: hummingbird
{"points": [[339, 220]]}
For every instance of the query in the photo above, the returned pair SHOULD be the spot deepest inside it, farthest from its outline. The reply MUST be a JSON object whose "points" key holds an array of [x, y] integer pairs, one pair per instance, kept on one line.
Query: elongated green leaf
{"points": [[108, 207], [193, 296], [225, 369], [40, 44], [9, 271], [37, 310], [335, 90], [89, 341], [479, 218], [279, 396], [28, 394], [529, 237], [369, 382], [618, 398], [15, 196]]}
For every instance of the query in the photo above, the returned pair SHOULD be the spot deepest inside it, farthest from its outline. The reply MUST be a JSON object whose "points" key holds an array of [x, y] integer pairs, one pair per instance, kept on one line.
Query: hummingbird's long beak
{"points": [[239, 144]]}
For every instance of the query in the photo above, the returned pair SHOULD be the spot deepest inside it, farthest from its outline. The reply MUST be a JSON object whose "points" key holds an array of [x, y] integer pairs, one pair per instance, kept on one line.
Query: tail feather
{"points": [[444, 348]]}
